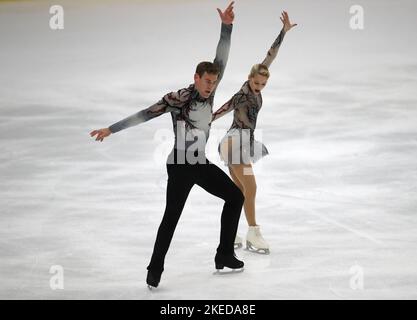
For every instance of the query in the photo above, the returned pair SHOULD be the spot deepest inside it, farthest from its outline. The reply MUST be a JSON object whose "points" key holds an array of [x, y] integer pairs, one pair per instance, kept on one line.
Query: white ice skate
{"points": [[255, 242], [238, 242]]}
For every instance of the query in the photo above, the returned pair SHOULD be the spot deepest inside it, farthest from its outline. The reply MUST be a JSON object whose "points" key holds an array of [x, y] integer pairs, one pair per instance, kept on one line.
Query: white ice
{"points": [[337, 197]]}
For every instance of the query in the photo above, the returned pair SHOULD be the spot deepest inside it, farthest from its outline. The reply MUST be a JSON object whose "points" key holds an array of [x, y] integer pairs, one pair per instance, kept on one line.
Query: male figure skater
{"points": [[191, 110]]}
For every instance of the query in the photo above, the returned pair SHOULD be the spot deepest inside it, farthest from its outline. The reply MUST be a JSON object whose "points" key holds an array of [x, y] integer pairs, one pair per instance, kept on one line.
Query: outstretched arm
{"points": [[273, 51], [237, 101], [223, 47], [170, 102], [223, 110], [144, 115]]}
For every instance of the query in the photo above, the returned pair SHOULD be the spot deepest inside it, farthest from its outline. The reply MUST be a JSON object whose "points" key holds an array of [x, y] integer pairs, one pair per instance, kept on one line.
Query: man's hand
{"points": [[227, 16], [286, 21], [101, 133]]}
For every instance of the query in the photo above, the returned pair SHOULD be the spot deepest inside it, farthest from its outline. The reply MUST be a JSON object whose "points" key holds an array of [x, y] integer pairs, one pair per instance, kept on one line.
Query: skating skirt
{"points": [[236, 148]]}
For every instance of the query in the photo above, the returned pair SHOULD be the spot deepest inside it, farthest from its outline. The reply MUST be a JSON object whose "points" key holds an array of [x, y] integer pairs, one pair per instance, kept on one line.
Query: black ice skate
{"points": [[229, 260], [153, 278]]}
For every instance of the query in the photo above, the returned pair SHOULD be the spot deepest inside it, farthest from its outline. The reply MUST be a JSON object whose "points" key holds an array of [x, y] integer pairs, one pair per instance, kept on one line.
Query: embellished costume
{"points": [[246, 106]]}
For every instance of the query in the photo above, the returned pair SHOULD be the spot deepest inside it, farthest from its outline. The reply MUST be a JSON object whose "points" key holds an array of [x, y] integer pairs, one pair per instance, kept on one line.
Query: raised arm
{"points": [[223, 47], [273, 51]]}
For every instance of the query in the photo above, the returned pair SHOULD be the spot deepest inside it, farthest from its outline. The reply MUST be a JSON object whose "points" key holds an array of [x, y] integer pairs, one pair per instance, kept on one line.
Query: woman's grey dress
{"points": [[244, 149]]}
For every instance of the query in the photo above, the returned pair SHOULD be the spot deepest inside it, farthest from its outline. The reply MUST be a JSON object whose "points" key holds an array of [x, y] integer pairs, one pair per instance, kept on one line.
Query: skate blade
{"points": [[238, 245], [151, 288], [222, 272], [253, 249]]}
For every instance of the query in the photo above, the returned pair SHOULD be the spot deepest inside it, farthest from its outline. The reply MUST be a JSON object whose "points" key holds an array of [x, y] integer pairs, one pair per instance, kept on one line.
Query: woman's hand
{"points": [[286, 21]]}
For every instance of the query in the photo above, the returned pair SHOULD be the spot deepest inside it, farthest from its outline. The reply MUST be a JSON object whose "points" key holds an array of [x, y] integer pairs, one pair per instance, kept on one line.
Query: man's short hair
{"points": [[209, 67]]}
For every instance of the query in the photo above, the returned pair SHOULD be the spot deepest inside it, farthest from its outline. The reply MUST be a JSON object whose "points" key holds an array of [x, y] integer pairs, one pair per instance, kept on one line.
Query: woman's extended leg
{"points": [[236, 180], [243, 176], [238, 239], [243, 173]]}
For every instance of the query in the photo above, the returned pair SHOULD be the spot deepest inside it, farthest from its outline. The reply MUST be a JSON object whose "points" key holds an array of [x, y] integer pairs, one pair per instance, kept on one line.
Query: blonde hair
{"points": [[260, 69]]}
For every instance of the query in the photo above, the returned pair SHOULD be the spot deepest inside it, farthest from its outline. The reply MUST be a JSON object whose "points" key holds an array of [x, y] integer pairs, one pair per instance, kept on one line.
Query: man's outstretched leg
{"points": [[178, 188], [215, 181]]}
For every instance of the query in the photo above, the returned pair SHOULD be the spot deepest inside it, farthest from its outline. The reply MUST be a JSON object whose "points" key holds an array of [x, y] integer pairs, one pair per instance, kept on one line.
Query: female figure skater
{"points": [[238, 149]]}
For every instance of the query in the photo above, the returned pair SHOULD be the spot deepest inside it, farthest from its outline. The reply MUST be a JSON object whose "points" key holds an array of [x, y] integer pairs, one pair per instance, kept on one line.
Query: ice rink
{"points": [[337, 196]]}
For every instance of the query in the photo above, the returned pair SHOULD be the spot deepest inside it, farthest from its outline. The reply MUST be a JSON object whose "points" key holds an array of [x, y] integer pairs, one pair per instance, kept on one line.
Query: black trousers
{"points": [[181, 178]]}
